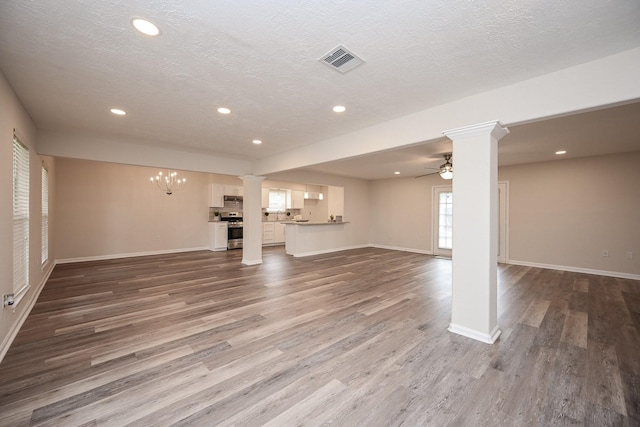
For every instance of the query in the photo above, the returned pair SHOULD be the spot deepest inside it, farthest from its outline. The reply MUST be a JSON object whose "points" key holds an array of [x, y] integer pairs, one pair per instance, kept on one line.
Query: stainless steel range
{"points": [[234, 229]]}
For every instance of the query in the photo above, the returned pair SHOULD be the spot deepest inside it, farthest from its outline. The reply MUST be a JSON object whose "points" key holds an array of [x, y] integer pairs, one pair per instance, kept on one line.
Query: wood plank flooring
{"points": [[355, 338]]}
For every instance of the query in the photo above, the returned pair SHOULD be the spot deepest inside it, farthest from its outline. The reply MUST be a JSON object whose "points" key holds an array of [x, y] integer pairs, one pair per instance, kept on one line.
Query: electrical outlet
{"points": [[605, 253], [629, 254], [7, 300]]}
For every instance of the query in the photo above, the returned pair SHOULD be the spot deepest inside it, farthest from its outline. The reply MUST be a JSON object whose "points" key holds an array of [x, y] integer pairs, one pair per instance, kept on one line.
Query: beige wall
{"points": [[107, 209], [13, 116], [401, 212], [567, 212], [562, 213]]}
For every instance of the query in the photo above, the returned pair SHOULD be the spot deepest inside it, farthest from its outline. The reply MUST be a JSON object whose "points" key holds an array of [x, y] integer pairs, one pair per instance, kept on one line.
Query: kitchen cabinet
{"points": [[218, 236], [278, 232], [273, 233], [233, 190], [313, 195], [268, 230], [265, 198], [216, 195], [295, 199]]}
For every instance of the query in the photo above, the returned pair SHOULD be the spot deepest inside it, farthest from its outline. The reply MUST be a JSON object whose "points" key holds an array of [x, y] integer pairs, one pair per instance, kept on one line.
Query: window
{"points": [[20, 216], [45, 214], [277, 201], [445, 220]]}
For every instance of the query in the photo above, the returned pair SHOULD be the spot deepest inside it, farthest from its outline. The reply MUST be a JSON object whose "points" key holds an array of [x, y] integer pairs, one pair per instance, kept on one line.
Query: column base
{"points": [[476, 335], [251, 262]]}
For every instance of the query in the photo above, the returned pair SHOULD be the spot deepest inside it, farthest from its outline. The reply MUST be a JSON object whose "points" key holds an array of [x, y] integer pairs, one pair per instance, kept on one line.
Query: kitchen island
{"points": [[312, 238]]}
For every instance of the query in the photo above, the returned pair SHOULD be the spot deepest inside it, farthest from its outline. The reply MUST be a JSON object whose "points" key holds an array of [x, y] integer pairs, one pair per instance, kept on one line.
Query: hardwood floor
{"points": [[355, 338]]}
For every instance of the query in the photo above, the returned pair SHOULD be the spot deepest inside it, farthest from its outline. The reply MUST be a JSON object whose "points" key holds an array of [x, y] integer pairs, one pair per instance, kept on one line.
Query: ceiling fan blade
{"points": [[433, 173]]}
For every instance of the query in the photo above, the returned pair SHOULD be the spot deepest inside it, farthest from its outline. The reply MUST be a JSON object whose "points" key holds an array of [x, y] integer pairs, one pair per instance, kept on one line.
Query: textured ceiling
{"points": [[71, 61]]}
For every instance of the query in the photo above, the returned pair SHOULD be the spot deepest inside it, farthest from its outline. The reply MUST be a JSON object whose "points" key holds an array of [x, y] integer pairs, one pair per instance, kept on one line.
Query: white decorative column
{"points": [[474, 305], [252, 220]]}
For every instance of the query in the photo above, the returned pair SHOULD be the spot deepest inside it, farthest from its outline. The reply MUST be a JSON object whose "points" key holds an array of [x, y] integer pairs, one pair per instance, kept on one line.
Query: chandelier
{"points": [[168, 183]]}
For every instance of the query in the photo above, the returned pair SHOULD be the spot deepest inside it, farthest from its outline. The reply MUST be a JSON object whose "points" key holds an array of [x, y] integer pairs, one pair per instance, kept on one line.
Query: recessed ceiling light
{"points": [[339, 109], [145, 27], [224, 110], [257, 141], [396, 173], [561, 152], [118, 111]]}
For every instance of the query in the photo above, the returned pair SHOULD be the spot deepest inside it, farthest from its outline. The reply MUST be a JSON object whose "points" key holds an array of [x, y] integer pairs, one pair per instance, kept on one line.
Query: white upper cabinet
{"points": [[265, 198], [216, 195], [297, 199], [233, 190], [218, 191]]}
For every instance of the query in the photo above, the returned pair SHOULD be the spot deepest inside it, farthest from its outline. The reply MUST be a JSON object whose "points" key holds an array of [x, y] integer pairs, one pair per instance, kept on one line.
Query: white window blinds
{"points": [[45, 214], [20, 216]]}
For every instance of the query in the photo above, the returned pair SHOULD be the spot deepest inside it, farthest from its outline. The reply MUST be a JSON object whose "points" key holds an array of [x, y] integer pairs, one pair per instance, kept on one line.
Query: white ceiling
{"points": [[70, 62], [607, 131]]}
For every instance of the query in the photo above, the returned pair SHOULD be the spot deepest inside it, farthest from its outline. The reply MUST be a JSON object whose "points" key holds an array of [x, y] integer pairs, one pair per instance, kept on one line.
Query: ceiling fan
{"points": [[445, 170]]}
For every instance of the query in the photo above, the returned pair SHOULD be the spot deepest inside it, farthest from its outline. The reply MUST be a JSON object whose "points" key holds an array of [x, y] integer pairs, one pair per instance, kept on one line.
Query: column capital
{"points": [[494, 128]]}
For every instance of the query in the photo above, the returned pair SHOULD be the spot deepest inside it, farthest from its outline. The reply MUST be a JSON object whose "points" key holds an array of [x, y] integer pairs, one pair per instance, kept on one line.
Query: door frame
{"points": [[435, 192], [503, 221]]}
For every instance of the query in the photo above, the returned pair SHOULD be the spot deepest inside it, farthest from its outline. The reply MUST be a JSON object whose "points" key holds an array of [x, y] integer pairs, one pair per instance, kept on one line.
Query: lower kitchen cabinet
{"points": [[267, 233], [278, 233], [218, 236], [272, 233]]}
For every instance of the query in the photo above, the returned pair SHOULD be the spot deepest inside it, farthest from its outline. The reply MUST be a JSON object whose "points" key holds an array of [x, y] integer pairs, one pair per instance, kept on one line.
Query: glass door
{"points": [[443, 224]]}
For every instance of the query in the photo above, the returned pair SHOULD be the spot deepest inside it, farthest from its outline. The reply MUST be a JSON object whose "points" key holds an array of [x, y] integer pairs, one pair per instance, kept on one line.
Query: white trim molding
{"points": [[494, 127], [129, 255], [252, 262], [476, 335], [328, 251], [30, 302], [398, 248], [606, 273]]}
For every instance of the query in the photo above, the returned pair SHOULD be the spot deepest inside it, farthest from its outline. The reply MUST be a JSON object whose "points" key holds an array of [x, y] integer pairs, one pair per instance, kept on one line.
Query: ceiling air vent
{"points": [[341, 59]]}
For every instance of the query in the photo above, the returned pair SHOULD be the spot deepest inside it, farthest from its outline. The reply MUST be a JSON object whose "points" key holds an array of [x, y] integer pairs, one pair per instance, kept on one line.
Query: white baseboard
{"points": [[576, 269], [398, 248], [129, 255], [489, 338], [30, 300], [328, 251], [606, 273]]}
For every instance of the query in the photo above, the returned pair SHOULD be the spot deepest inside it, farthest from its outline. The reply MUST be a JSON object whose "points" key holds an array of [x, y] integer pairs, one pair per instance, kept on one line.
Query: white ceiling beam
{"points": [[132, 152]]}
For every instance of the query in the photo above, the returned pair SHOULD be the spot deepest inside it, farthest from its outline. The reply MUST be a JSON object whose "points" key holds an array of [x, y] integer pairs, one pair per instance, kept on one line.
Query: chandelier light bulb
{"points": [[169, 182]]}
